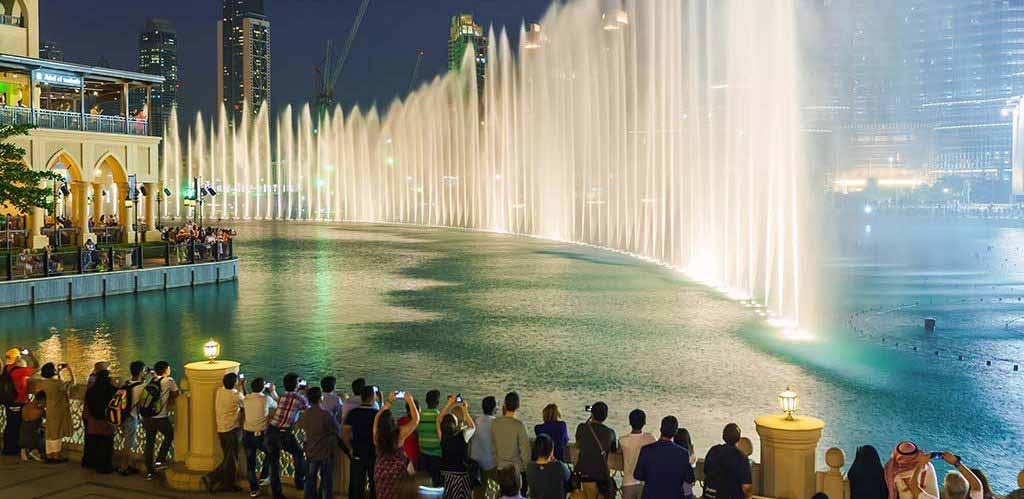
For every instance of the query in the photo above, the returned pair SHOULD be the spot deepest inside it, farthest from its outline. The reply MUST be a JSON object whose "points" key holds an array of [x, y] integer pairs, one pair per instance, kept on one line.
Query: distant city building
{"points": [[243, 56], [465, 33], [50, 51], [158, 55]]}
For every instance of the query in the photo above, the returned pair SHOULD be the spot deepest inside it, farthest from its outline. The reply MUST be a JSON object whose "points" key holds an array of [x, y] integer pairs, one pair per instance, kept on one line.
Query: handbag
{"points": [[605, 486]]}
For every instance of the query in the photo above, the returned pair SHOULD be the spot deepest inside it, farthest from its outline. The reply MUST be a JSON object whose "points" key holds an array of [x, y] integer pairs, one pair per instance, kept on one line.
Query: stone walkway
{"points": [[70, 480]]}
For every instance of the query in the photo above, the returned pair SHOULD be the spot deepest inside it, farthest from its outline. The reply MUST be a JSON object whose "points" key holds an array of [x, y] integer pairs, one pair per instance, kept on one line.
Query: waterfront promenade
{"points": [[70, 480]]}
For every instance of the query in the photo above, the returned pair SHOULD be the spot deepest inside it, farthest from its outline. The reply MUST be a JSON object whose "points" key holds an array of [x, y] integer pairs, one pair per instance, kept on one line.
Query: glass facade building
{"points": [[158, 55], [243, 56], [465, 33]]}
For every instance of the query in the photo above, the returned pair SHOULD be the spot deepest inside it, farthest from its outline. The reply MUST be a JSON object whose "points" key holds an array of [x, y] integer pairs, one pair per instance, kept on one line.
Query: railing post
{"points": [[10, 266], [46, 263], [110, 259], [81, 261], [139, 247], [231, 248], [167, 254], [192, 251]]}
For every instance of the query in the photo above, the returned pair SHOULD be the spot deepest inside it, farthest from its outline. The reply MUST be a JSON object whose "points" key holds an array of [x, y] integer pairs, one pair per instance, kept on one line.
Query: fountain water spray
{"points": [[665, 129]]}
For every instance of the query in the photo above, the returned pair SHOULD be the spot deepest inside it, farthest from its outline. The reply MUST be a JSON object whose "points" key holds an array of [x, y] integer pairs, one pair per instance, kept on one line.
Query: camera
{"points": [[400, 394], [588, 408]]}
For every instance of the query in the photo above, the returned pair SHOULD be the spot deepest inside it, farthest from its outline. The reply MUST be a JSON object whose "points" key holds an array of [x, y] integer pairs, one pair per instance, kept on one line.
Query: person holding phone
{"points": [[280, 436], [357, 434], [18, 366], [909, 473], [596, 442], [455, 428], [58, 407], [256, 408], [392, 464]]}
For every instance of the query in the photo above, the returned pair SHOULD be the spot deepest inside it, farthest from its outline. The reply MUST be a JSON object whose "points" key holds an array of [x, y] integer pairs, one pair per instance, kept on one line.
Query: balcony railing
{"points": [[12, 20], [65, 120]]}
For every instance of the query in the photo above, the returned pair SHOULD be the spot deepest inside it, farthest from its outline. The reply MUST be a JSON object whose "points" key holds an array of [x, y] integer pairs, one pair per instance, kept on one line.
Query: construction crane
{"points": [[416, 69], [330, 69]]}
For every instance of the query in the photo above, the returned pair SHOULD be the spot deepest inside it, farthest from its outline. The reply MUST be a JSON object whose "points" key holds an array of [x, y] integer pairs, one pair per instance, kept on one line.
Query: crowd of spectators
{"points": [[463, 455], [209, 242]]}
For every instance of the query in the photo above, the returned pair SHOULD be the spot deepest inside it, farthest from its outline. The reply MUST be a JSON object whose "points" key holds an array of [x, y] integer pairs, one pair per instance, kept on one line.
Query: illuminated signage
{"points": [[56, 78]]}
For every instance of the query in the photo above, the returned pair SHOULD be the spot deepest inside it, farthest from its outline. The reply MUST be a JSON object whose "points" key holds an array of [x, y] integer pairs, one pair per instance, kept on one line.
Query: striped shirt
{"points": [[427, 433], [289, 407]]}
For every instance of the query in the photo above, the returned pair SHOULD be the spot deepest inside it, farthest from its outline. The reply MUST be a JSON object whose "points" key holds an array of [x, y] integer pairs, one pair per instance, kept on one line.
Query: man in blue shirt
{"points": [[664, 466]]}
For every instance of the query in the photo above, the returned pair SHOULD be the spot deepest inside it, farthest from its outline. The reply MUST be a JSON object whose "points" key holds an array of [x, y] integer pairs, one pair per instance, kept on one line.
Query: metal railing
{"points": [[8, 20], [80, 260], [68, 120]]}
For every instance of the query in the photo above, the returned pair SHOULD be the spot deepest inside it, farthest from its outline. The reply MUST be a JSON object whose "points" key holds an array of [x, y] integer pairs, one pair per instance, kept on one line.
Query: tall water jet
{"points": [[666, 129]]}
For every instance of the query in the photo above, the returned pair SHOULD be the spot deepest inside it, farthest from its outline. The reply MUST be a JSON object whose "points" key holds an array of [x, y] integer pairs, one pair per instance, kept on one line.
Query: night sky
{"points": [[378, 69]]}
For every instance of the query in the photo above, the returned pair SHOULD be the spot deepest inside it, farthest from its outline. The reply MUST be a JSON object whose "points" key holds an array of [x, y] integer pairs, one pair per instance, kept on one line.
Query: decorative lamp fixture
{"points": [[789, 402], [211, 350]]}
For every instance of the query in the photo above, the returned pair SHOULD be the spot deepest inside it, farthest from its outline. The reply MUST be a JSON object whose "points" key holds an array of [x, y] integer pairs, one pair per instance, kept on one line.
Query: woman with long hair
{"points": [[392, 465], [866, 476], [455, 427], [682, 439], [98, 452]]}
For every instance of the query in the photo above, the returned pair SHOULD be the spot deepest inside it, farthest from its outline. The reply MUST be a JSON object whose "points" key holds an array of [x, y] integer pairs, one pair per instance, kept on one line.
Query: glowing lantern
{"points": [[789, 402], [211, 350]]}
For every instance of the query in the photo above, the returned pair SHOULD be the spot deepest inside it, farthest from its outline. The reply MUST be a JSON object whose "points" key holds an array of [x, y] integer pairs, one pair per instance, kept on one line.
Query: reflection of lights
{"points": [[796, 334], [497, 176], [519, 206], [319, 183], [408, 178], [391, 161], [1004, 112], [649, 200], [329, 168], [868, 209], [867, 228], [945, 190]]}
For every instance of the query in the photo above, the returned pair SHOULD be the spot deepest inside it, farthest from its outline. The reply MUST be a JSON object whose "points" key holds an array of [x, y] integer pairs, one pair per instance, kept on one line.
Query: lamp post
{"points": [[788, 447], [196, 451]]}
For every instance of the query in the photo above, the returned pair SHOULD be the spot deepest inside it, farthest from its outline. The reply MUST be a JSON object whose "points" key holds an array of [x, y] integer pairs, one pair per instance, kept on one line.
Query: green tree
{"points": [[19, 184]]}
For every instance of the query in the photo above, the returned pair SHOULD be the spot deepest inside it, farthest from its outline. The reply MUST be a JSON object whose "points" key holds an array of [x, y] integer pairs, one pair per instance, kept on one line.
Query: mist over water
{"points": [[665, 129]]}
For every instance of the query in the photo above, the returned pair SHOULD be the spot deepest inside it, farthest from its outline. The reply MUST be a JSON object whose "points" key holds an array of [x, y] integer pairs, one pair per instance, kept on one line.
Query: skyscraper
{"points": [[50, 51], [465, 32], [158, 55], [243, 56], [966, 58]]}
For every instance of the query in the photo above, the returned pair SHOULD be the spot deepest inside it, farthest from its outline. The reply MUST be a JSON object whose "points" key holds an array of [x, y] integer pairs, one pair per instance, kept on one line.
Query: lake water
{"points": [[480, 314]]}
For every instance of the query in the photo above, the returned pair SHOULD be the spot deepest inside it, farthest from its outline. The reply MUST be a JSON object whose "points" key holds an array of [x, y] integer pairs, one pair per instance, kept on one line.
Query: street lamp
{"points": [[211, 350], [789, 402]]}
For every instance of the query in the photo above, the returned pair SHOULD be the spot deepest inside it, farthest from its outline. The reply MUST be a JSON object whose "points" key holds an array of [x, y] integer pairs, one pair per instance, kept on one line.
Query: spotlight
{"points": [[167, 192], [143, 190]]}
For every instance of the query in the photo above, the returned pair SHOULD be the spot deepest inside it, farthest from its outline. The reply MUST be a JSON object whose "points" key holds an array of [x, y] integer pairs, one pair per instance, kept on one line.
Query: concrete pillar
{"points": [[97, 200], [124, 213], [79, 203], [788, 450], [150, 212], [36, 239], [196, 430]]}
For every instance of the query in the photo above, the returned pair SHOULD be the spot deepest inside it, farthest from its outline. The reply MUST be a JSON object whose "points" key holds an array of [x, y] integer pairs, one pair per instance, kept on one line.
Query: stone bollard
{"points": [[831, 482], [199, 432], [788, 450]]}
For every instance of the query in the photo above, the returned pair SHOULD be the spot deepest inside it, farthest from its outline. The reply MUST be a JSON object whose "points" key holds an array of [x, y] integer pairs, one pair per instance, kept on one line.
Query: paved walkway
{"points": [[70, 480]]}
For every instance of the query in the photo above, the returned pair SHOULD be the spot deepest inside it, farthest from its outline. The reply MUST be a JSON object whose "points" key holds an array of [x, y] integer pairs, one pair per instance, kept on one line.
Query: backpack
{"points": [[121, 403], [8, 392], [150, 401]]}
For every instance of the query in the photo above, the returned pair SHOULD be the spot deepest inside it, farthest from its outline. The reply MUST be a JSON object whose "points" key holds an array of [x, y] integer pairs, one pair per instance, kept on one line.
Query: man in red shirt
{"points": [[17, 368]]}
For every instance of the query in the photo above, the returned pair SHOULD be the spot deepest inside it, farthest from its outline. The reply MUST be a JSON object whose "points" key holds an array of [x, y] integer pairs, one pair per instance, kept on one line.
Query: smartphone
{"points": [[936, 456], [241, 376], [458, 398], [24, 351], [266, 385], [588, 408], [400, 394], [302, 383], [376, 389]]}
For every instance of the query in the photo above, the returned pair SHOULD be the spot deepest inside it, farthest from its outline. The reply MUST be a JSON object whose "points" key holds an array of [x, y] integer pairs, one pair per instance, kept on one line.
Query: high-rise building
{"points": [[243, 56], [465, 33], [966, 58], [158, 55], [50, 51]]}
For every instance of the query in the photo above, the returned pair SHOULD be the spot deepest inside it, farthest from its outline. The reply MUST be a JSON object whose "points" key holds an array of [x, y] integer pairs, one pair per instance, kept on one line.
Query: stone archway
{"points": [[110, 188]]}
